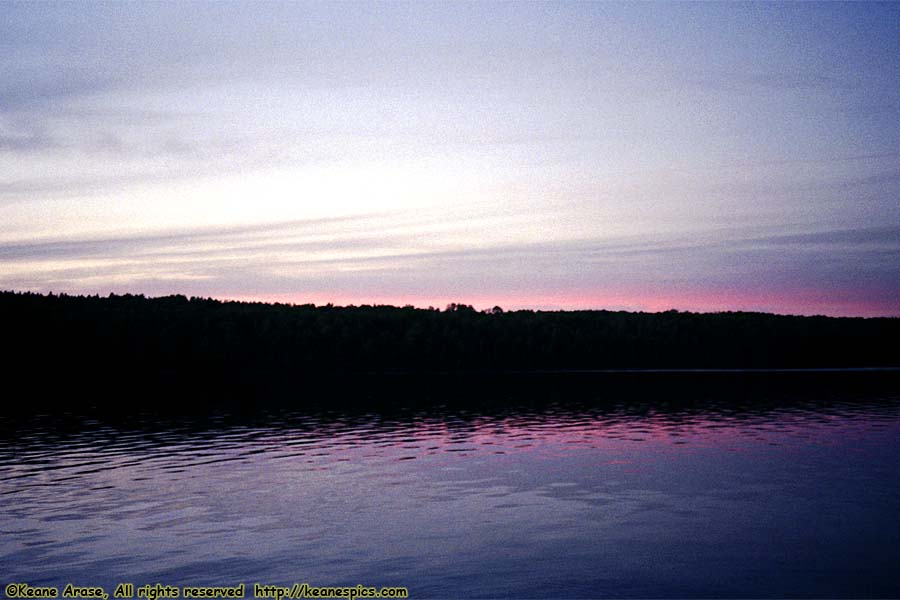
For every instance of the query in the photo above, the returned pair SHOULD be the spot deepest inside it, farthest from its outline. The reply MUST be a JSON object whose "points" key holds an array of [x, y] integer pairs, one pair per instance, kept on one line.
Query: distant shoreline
{"points": [[136, 338], [723, 370]]}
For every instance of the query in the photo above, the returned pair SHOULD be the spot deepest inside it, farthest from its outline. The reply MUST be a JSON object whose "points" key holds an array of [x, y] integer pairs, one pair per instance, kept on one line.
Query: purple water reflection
{"points": [[559, 500]]}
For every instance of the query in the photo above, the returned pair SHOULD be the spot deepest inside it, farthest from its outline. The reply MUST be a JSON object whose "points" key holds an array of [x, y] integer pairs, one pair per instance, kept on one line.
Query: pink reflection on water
{"points": [[616, 439]]}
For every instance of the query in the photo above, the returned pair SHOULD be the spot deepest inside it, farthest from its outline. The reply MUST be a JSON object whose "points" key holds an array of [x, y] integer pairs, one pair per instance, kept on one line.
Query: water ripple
{"points": [[416, 492]]}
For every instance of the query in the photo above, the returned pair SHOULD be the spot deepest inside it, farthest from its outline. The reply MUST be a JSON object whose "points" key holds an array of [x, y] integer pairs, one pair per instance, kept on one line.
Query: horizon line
{"points": [[447, 306]]}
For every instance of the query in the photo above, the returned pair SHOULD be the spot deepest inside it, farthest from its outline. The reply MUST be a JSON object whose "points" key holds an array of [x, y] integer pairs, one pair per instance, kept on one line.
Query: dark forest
{"points": [[131, 334]]}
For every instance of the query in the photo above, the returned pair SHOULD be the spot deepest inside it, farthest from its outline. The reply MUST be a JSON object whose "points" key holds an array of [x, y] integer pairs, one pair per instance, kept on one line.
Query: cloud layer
{"points": [[534, 155]]}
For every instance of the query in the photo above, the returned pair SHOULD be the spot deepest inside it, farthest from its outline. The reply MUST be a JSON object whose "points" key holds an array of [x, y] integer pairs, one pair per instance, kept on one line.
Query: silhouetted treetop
{"points": [[133, 334]]}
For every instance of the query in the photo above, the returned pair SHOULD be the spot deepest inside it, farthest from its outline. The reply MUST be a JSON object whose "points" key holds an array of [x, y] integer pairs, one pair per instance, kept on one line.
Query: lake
{"points": [[573, 487]]}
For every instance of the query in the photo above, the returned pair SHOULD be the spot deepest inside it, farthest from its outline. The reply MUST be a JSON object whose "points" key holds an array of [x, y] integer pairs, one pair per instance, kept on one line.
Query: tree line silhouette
{"points": [[137, 336]]}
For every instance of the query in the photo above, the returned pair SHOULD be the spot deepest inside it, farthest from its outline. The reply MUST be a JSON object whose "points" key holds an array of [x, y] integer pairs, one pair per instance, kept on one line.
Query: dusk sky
{"points": [[567, 155]]}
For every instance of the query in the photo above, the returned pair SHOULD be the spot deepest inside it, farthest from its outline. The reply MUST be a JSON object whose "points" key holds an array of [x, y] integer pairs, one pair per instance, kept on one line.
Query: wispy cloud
{"points": [[749, 82], [352, 256]]}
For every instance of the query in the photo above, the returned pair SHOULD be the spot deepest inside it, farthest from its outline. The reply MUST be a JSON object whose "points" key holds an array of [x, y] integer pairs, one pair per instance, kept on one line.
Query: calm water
{"points": [[673, 491]]}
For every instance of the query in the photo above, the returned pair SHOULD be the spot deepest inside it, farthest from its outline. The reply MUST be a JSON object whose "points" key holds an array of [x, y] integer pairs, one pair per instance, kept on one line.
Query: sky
{"points": [[574, 155]]}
